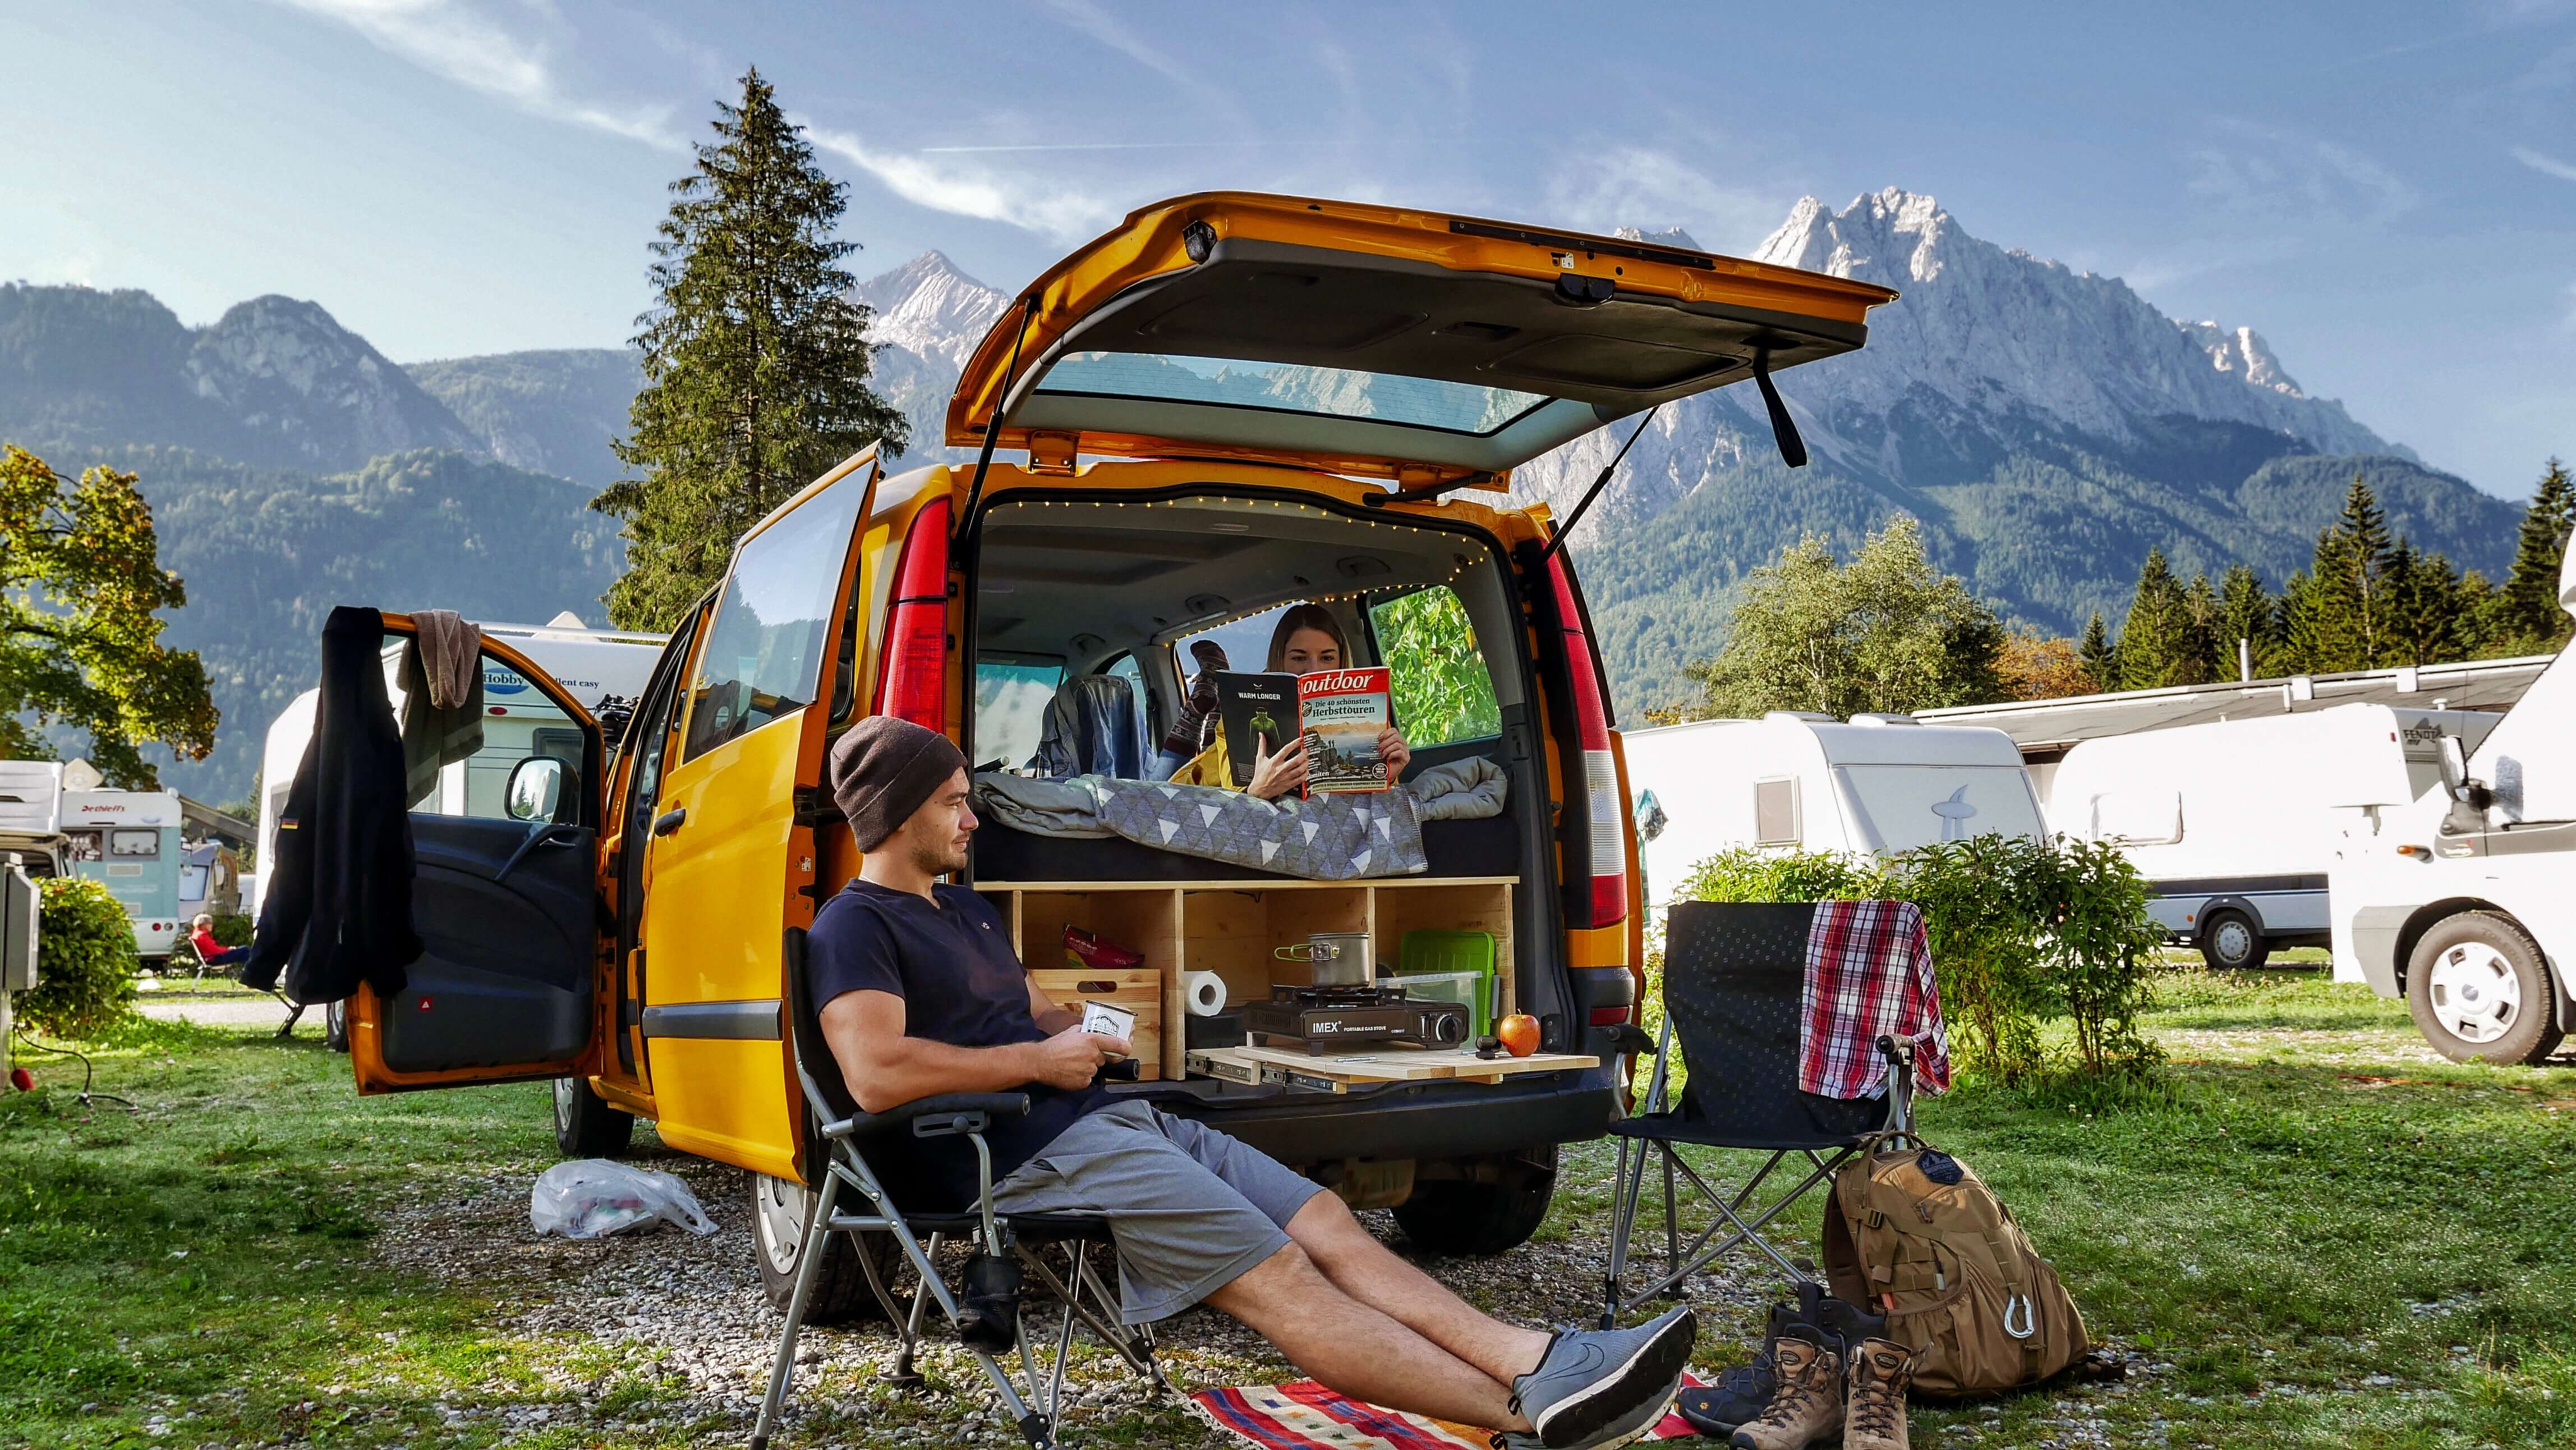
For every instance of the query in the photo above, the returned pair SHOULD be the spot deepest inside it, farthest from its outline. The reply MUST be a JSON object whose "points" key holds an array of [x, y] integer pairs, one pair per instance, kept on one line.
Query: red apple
{"points": [[1519, 1033]]}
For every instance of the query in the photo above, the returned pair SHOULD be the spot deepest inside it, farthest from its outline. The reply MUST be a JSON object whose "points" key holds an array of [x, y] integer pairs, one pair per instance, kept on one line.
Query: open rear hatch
{"points": [[1375, 341]]}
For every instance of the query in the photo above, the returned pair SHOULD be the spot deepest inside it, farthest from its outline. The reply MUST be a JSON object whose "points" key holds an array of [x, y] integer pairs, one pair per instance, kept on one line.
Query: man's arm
{"points": [[886, 1069]]}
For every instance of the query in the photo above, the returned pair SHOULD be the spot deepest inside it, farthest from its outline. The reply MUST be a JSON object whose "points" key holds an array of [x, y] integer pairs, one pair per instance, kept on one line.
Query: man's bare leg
{"points": [[1359, 1350], [1349, 1255]]}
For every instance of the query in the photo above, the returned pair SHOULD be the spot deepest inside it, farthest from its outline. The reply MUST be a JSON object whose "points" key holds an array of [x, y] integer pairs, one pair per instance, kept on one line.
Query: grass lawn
{"points": [[2322, 1236]]}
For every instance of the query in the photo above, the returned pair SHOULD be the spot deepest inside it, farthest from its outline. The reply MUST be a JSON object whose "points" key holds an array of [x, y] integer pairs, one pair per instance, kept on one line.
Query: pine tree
{"points": [[756, 361], [2427, 610], [2351, 556], [2199, 656], [2155, 640], [2527, 613], [2247, 612], [2101, 658]]}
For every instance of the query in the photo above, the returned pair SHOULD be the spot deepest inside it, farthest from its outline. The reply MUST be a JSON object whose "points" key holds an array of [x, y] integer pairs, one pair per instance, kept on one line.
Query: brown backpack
{"points": [[1955, 1276]]}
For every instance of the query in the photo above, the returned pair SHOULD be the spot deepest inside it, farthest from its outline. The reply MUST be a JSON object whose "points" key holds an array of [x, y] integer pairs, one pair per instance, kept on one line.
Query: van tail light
{"points": [[912, 680], [1610, 1016], [1606, 840]]}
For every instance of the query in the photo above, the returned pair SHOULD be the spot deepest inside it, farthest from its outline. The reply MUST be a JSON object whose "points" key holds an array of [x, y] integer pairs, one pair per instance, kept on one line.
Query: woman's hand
{"points": [[1392, 749], [1275, 775]]}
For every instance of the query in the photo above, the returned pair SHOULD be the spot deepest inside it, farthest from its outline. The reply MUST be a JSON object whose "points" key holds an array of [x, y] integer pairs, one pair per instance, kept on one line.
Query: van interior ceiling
{"points": [[1073, 587]]}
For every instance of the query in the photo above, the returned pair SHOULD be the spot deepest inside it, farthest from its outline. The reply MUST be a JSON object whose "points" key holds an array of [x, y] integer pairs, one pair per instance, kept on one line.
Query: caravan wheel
{"points": [[2231, 942], [2480, 991]]}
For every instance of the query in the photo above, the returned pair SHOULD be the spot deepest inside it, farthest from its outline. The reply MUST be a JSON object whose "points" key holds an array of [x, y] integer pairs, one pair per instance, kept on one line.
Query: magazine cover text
{"points": [[1343, 711]]}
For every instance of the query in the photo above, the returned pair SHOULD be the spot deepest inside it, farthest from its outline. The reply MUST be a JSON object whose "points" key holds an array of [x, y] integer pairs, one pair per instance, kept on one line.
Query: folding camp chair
{"points": [[1083, 1283], [1733, 977]]}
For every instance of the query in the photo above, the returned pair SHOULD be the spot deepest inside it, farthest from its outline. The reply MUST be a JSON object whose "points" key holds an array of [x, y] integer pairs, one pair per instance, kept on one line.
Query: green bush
{"points": [[232, 929], [85, 961], [2023, 933]]}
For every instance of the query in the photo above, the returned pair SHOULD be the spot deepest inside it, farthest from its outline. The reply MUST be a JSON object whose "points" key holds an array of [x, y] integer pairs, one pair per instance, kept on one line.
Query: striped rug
{"points": [[1303, 1415]]}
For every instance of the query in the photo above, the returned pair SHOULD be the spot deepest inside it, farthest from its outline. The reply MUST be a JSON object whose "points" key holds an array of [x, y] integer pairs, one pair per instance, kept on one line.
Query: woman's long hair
{"points": [[1306, 616]]}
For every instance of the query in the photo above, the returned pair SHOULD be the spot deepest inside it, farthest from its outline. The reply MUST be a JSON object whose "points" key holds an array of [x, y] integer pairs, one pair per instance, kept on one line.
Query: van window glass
{"points": [[134, 844], [2138, 817], [192, 883], [656, 718], [1011, 698], [1775, 813], [1443, 691], [1291, 388], [1246, 641], [764, 649]]}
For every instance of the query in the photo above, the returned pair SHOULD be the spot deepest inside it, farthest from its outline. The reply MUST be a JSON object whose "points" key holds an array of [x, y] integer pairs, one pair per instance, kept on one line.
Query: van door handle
{"points": [[670, 820]]}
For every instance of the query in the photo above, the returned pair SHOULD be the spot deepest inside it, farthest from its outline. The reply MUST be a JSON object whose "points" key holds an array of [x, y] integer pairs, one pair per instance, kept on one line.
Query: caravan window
{"points": [[130, 845], [1775, 813], [2138, 817], [1905, 806]]}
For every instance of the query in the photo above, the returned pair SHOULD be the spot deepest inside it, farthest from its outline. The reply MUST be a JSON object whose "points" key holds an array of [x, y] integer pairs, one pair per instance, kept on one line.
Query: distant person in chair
{"points": [[210, 952], [1308, 639], [920, 994]]}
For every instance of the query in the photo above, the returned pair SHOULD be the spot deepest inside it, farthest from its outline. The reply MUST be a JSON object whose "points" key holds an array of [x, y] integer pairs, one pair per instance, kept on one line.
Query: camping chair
{"points": [[1083, 1242], [1733, 977]]}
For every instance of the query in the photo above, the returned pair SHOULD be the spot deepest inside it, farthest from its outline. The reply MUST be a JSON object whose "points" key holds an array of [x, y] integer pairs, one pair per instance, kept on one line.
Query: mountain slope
{"points": [[267, 553], [275, 382], [549, 412]]}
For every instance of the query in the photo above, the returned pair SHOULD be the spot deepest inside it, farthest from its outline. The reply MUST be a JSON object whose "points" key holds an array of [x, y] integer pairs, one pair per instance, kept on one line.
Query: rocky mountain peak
{"points": [[930, 308], [1668, 237]]}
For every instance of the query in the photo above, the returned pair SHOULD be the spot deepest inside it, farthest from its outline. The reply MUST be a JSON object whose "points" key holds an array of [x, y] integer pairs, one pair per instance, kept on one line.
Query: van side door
{"points": [[729, 859], [507, 908]]}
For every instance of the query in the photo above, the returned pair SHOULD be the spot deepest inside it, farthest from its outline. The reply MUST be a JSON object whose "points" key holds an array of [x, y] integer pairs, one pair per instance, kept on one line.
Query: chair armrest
{"points": [[940, 1112]]}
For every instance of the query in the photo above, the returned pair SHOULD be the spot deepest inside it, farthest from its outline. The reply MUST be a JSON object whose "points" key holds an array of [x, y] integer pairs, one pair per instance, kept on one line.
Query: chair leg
{"points": [[1630, 1182], [809, 1265], [904, 1376]]}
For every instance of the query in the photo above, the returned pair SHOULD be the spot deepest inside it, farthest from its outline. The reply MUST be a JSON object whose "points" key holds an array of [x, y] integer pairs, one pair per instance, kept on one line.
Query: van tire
{"points": [[841, 1293], [1462, 1219], [2229, 941], [335, 1026], [2467, 961], [585, 1125]]}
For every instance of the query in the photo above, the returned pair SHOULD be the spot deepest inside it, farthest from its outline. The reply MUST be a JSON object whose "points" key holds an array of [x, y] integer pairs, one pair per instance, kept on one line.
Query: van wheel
{"points": [[841, 1293], [1464, 1220], [2480, 991], [335, 1026], [585, 1125], [2231, 942]]}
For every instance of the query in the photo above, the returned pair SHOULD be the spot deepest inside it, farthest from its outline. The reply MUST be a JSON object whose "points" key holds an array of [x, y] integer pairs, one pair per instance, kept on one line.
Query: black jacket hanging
{"points": [[337, 909]]}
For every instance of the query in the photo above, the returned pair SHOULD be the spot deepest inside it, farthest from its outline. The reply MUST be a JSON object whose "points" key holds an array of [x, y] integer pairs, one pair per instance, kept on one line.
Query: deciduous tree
{"points": [[1885, 631], [756, 360], [80, 641]]}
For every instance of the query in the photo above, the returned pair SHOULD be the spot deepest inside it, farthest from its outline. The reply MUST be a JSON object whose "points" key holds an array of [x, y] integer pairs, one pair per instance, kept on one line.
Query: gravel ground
{"points": [[667, 1338]]}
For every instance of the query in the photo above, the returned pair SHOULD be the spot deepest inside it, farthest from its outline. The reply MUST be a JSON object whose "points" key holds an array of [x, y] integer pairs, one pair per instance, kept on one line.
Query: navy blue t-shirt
{"points": [[951, 963]]}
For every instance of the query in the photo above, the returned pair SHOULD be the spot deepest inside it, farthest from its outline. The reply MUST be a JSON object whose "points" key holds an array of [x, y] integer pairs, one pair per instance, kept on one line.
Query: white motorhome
{"points": [[1876, 784], [590, 664], [2464, 903], [2235, 823]]}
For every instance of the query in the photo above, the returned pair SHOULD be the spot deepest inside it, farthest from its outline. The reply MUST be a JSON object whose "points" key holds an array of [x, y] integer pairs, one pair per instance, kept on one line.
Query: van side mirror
{"points": [[536, 789], [2469, 798]]}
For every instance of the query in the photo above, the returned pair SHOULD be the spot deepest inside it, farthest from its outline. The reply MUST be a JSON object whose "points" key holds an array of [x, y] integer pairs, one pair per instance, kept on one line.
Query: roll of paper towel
{"points": [[1205, 992]]}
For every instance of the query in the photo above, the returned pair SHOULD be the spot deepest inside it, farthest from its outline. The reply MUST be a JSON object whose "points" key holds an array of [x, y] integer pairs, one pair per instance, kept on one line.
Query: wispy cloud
{"points": [[2544, 164], [1110, 31], [966, 190], [2268, 170], [1638, 187], [453, 40]]}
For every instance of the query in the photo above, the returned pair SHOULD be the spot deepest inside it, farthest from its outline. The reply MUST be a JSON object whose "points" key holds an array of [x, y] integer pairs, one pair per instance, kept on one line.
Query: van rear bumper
{"points": [[1429, 1120]]}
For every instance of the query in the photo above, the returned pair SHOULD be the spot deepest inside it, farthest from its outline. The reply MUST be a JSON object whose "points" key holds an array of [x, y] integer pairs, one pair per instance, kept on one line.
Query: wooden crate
{"points": [[1137, 989]]}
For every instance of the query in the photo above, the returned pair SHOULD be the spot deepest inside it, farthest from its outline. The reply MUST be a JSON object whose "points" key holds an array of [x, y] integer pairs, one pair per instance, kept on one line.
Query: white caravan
{"points": [[2235, 824], [2464, 903], [591, 665], [1878, 784], [31, 815]]}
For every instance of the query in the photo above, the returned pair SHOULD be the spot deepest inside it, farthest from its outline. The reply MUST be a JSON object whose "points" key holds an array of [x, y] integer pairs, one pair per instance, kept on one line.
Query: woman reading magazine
{"points": [[1308, 639]]}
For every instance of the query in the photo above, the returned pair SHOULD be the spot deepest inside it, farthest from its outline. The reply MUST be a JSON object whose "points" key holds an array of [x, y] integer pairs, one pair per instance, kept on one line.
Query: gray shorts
{"points": [[1189, 1208]]}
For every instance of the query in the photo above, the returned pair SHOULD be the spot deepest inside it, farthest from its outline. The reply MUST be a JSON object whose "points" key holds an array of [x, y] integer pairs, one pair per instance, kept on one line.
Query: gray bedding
{"points": [[1342, 837]]}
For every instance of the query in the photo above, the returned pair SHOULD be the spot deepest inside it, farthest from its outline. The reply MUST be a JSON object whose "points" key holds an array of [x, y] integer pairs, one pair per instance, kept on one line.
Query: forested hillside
{"points": [[552, 412]]}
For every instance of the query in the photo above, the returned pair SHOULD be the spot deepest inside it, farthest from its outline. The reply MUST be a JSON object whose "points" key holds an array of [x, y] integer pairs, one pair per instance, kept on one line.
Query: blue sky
{"points": [[2386, 192]]}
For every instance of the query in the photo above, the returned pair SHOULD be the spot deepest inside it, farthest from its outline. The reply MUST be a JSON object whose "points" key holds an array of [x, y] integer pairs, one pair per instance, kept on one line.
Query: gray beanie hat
{"points": [[883, 768]]}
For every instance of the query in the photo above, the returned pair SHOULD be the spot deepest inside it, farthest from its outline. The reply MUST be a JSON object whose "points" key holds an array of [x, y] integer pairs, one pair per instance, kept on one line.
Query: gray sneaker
{"points": [[1591, 1382], [1620, 1431]]}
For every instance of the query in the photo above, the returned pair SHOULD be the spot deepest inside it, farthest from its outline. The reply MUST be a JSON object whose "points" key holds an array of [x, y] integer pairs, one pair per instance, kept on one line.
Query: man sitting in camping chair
{"points": [[920, 994]]}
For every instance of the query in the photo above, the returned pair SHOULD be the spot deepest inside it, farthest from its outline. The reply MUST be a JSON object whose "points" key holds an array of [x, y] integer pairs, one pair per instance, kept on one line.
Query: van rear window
{"points": [[1291, 388]]}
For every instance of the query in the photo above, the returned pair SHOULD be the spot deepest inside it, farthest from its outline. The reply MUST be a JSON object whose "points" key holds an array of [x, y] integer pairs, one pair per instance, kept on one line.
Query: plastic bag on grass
{"points": [[591, 1198]]}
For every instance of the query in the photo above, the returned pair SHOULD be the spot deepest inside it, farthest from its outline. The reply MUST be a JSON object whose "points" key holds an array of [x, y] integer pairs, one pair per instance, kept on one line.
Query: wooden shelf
{"points": [[1282, 883]]}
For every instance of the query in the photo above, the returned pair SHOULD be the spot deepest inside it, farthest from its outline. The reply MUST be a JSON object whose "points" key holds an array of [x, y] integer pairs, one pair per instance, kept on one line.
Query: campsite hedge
{"points": [[85, 961], [2023, 933]]}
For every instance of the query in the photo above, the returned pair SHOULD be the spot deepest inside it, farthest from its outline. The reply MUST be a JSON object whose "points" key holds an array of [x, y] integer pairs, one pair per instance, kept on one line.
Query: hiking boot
{"points": [[1591, 1380], [1807, 1409], [1874, 1414], [1738, 1396]]}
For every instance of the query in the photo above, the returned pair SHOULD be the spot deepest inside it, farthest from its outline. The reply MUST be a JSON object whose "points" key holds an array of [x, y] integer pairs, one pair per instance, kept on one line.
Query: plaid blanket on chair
{"points": [[1869, 972]]}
